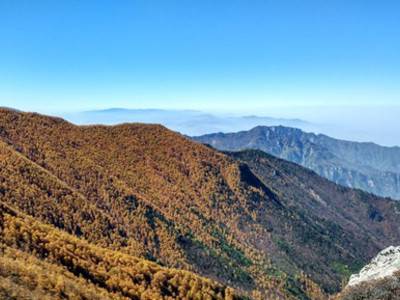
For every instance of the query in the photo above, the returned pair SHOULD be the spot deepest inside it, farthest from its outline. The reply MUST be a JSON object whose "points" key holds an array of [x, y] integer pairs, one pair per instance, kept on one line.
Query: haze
{"points": [[294, 59]]}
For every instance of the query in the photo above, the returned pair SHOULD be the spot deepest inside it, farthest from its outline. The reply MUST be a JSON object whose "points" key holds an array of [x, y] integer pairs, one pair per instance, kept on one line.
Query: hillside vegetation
{"points": [[340, 229], [41, 262], [147, 192]]}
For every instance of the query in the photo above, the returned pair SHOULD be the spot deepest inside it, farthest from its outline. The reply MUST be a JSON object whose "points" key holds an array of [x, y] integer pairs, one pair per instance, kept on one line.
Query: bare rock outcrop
{"points": [[385, 264]]}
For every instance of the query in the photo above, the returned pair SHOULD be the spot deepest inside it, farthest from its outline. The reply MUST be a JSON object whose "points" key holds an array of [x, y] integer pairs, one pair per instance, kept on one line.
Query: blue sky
{"points": [[208, 55]]}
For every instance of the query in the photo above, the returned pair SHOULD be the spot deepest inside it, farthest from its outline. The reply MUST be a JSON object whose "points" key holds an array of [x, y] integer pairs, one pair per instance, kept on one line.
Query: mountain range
{"points": [[189, 122], [366, 166], [137, 211]]}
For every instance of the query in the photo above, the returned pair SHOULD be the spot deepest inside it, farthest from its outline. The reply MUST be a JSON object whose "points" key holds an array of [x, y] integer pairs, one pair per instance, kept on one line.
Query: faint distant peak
{"points": [[123, 110], [138, 110], [278, 128], [294, 120]]}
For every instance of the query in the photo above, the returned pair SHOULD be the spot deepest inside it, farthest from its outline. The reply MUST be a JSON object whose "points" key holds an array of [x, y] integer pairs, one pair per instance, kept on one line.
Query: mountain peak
{"points": [[367, 166]]}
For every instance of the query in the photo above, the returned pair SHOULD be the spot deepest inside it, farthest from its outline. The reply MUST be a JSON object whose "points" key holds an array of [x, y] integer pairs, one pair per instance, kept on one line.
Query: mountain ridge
{"points": [[189, 122], [152, 193], [176, 234], [362, 165]]}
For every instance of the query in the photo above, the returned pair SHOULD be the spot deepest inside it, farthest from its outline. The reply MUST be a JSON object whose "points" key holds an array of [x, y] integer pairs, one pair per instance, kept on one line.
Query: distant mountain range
{"points": [[189, 122], [136, 211], [367, 166]]}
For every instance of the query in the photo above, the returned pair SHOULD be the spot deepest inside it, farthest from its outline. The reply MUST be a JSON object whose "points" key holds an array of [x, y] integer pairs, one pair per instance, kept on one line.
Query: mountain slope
{"points": [[39, 261], [336, 228], [366, 166], [149, 192]]}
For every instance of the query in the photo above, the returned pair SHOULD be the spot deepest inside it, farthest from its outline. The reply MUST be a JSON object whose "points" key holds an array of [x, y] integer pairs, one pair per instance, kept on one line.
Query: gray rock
{"points": [[385, 264]]}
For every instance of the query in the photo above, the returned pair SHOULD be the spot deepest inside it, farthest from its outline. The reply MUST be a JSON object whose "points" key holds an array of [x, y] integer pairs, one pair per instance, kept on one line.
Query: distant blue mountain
{"points": [[367, 166], [189, 122]]}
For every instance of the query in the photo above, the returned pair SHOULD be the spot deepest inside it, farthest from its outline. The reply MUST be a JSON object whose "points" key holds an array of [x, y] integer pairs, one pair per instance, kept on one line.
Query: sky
{"points": [[266, 57]]}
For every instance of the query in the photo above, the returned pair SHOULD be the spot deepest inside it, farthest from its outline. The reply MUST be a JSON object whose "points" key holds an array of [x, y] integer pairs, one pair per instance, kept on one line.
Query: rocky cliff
{"points": [[380, 279], [386, 263]]}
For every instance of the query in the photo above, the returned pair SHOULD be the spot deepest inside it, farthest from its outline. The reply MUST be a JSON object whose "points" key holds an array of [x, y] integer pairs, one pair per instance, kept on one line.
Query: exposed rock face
{"points": [[385, 264]]}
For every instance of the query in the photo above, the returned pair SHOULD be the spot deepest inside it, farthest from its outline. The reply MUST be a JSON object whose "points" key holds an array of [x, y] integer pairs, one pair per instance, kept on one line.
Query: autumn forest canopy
{"points": [[140, 212]]}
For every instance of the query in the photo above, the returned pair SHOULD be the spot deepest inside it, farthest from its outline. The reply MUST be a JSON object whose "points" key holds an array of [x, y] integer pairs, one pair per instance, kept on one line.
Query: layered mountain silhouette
{"points": [[366, 166], [137, 210], [190, 122]]}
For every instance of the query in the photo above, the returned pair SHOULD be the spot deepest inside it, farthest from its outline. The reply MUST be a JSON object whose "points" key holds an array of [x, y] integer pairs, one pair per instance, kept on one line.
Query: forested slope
{"points": [[40, 262], [148, 192], [151, 193]]}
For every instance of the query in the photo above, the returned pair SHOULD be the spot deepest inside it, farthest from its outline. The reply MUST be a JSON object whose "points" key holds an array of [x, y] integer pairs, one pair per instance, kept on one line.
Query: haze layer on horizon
{"points": [[354, 123], [331, 63]]}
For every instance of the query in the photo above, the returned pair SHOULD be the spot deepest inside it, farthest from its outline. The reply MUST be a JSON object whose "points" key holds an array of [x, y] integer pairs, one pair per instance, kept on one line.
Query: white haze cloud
{"points": [[378, 124]]}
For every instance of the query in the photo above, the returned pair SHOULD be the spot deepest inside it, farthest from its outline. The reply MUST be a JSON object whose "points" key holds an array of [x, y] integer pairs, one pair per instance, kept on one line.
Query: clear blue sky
{"points": [[235, 55]]}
